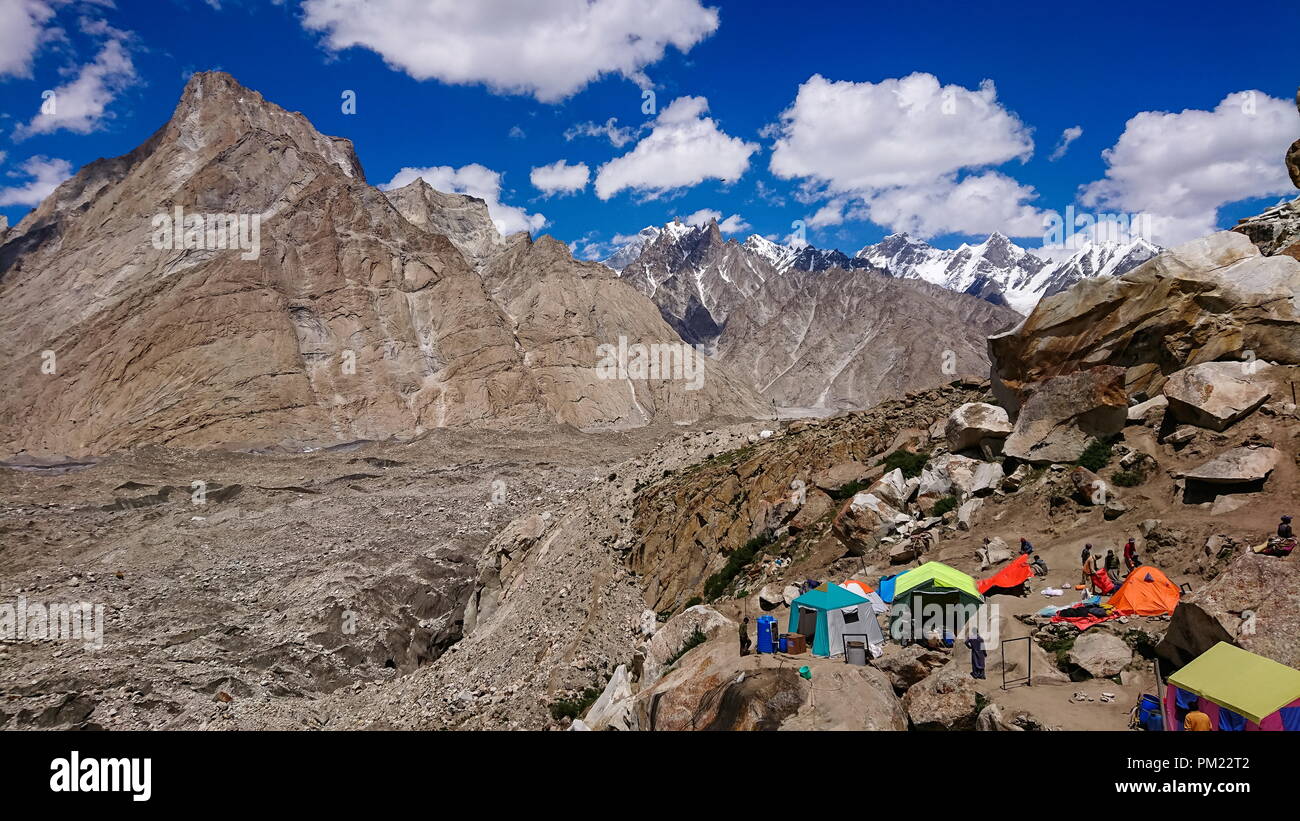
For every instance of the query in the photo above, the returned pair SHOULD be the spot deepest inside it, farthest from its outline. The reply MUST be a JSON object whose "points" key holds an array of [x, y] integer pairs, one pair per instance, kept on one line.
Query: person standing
{"points": [[1196, 721], [1088, 566], [976, 645], [1112, 566], [744, 637], [1130, 556]]}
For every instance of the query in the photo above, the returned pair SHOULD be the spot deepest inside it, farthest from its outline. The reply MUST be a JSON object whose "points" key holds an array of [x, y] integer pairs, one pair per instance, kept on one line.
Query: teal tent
{"points": [[828, 613]]}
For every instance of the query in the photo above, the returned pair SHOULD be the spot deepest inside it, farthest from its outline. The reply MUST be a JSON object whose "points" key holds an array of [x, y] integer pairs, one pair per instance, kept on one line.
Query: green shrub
{"points": [[1128, 478], [843, 492], [1096, 456], [574, 707], [695, 640], [691, 602], [944, 505], [736, 562], [911, 463]]}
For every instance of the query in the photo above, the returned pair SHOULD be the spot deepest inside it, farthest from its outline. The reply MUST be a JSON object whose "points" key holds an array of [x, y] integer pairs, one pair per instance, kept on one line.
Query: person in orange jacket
{"points": [[1196, 721]]}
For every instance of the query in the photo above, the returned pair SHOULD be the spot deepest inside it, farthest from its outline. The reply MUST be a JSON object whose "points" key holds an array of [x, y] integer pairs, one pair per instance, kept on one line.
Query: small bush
{"points": [[692, 601], [573, 708], [843, 492], [695, 640], [736, 562], [944, 505], [1096, 456], [911, 463], [1128, 478]]}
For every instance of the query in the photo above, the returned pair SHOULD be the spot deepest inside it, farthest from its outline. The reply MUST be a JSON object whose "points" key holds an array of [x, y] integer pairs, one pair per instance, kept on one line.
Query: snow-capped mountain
{"points": [[803, 257], [1000, 271], [630, 250]]}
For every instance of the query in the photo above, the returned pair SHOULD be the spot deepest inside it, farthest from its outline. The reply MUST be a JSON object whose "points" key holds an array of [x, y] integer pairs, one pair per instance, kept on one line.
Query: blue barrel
{"points": [[767, 640], [783, 644], [1149, 715]]}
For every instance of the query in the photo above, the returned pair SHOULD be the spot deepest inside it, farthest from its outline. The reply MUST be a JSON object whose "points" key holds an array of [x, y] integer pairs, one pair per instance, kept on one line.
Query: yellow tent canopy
{"points": [[1247, 684]]}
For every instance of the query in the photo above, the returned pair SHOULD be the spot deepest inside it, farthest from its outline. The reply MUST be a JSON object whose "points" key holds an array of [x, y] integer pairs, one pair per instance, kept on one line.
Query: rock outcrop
{"points": [[1062, 414], [1237, 466], [974, 422], [1214, 298], [1216, 394]]}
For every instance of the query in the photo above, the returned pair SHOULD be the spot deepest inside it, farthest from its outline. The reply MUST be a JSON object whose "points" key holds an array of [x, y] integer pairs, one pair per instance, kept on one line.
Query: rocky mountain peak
{"points": [[462, 218]]}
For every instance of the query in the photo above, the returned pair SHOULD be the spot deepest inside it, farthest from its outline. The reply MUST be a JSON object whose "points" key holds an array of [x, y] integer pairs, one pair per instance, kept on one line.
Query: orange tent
{"points": [[1013, 575], [1146, 592]]}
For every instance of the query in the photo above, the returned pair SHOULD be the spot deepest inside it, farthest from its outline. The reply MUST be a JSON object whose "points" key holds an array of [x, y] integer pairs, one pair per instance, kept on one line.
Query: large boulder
{"points": [[973, 422], [1254, 603], [838, 475], [1215, 394], [1101, 654], [1213, 298], [894, 489], [1237, 466], [1276, 230], [944, 700], [864, 521], [1063, 413], [910, 664], [1149, 412], [672, 637], [716, 689]]}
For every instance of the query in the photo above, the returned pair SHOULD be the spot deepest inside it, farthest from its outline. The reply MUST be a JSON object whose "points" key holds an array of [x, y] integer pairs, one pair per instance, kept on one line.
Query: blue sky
{"points": [[787, 112]]}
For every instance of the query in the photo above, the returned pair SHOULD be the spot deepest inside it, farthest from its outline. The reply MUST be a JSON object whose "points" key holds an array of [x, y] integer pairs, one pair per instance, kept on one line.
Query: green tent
{"points": [[828, 613], [932, 585], [1247, 684]]}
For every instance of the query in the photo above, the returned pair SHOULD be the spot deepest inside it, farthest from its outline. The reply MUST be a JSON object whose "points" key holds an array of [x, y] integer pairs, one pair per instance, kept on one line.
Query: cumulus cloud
{"points": [[610, 130], [81, 105], [560, 178], [896, 151], [46, 173], [733, 224], [1181, 168], [979, 204], [684, 148], [549, 49], [1068, 136], [22, 30], [477, 181]]}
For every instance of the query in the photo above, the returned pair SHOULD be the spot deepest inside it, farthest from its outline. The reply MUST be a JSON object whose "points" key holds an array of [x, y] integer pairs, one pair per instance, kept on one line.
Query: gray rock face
{"points": [[820, 339], [1063, 413], [1101, 654], [974, 422], [615, 709], [1216, 394], [1237, 466], [349, 321], [1276, 230]]}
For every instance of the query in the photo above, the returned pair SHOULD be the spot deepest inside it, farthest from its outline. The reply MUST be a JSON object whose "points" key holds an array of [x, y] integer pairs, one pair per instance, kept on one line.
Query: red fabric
{"points": [[1084, 622], [1101, 581], [1013, 575]]}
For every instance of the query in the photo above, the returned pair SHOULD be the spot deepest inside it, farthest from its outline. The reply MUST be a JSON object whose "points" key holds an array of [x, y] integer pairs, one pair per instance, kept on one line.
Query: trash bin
{"points": [[855, 652]]}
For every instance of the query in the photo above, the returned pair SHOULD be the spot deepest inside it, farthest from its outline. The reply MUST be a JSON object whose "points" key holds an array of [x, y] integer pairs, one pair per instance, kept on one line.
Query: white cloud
{"points": [[560, 178], [733, 224], [550, 49], [22, 31], [832, 213], [979, 204], [80, 105], [1181, 168], [477, 181], [1068, 136], [618, 137], [895, 151], [862, 136], [683, 148], [46, 174]]}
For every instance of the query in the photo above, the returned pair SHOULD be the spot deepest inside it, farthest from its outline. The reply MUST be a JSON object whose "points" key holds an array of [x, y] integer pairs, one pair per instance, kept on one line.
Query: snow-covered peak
{"points": [[628, 252]]}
